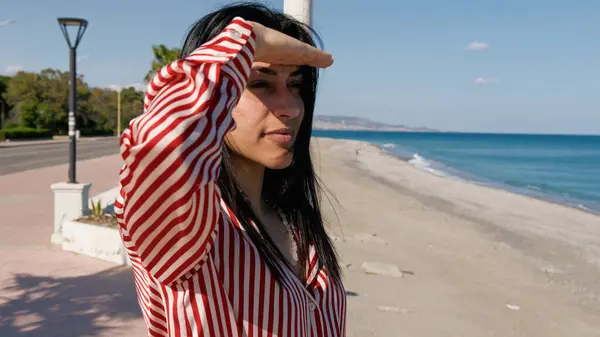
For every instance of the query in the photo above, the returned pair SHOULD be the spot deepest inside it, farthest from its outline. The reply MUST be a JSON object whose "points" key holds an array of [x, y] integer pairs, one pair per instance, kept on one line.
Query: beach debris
{"points": [[351, 293], [513, 307], [348, 265], [408, 272], [551, 270], [503, 245], [392, 309], [380, 268], [365, 237], [388, 309]]}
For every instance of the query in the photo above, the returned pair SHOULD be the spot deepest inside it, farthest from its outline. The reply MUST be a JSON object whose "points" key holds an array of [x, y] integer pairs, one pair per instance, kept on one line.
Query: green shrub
{"points": [[25, 133], [10, 124], [97, 131], [97, 209]]}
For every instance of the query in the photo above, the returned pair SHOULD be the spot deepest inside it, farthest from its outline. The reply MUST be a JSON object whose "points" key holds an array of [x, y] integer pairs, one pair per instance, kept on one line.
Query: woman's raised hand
{"points": [[277, 48]]}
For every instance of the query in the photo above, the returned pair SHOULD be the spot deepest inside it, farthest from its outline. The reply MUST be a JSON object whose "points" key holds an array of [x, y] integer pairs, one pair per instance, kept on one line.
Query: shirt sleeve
{"points": [[169, 202]]}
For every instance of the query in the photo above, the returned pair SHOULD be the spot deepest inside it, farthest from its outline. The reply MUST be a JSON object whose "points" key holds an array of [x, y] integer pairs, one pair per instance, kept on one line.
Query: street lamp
{"points": [[81, 24]]}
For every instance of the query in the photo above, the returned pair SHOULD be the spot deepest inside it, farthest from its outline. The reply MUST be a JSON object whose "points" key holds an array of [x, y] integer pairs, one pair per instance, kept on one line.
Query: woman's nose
{"points": [[288, 105]]}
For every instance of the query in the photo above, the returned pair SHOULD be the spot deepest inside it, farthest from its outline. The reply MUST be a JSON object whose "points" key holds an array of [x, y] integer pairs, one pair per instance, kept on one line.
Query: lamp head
{"points": [[73, 22]]}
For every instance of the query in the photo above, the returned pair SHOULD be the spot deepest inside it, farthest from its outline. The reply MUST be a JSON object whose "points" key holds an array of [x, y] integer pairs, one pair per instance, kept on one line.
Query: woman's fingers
{"points": [[309, 55], [278, 48], [320, 59]]}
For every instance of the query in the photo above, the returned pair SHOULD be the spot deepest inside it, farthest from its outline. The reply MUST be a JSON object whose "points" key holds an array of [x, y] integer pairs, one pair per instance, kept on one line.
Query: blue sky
{"points": [[533, 66]]}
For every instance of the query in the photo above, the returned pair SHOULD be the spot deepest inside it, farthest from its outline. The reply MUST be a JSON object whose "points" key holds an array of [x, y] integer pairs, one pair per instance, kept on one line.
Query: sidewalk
{"points": [[45, 291]]}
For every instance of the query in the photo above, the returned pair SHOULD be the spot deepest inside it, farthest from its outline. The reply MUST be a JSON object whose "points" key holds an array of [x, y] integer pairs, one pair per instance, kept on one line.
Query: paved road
{"points": [[26, 157]]}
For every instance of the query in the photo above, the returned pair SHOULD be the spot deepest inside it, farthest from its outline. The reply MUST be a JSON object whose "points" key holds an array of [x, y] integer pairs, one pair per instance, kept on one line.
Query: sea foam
{"points": [[425, 164]]}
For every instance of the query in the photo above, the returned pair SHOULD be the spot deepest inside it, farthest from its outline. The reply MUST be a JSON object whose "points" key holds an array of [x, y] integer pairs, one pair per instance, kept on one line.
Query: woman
{"points": [[218, 206]]}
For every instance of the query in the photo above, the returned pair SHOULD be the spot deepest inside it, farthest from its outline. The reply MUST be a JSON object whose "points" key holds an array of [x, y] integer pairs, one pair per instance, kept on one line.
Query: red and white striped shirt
{"points": [[196, 271]]}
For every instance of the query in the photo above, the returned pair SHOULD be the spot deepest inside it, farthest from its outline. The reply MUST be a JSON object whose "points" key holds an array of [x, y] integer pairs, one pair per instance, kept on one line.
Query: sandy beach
{"points": [[422, 256], [425, 255]]}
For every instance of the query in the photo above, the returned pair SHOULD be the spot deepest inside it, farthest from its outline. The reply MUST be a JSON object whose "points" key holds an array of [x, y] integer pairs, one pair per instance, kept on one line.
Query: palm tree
{"points": [[162, 56]]}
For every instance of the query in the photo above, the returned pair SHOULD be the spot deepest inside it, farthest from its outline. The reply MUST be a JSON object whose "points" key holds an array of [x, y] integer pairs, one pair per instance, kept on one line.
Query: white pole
{"points": [[299, 9]]}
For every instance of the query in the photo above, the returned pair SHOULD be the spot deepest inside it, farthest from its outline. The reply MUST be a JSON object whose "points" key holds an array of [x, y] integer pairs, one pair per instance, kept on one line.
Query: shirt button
{"points": [[312, 306], [235, 34]]}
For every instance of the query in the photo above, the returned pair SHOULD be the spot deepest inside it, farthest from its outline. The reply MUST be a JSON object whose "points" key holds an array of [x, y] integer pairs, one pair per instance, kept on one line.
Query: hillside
{"points": [[328, 122]]}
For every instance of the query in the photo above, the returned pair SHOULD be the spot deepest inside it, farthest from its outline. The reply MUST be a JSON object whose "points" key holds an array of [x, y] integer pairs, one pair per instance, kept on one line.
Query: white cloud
{"points": [[13, 69], [7, 22], [485, 80], [83, 57], [117, 87], [477, 46]]}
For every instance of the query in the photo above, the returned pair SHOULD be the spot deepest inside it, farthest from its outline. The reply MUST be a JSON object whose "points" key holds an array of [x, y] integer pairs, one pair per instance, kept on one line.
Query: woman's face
{"points": [[268, 116]]}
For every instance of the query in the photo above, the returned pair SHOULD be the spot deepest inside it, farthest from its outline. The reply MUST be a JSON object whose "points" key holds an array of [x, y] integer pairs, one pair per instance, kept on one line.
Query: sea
{"points": [[559, 168]]}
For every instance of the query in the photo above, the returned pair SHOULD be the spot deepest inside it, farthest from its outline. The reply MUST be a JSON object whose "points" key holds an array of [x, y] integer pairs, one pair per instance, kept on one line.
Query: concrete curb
{"points": [[100, 242], [19, 143], [95, 241]]}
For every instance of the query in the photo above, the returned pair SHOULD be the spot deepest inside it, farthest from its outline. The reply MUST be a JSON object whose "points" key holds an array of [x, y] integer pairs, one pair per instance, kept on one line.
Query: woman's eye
{"points": [[295, 84], [258, 84]]}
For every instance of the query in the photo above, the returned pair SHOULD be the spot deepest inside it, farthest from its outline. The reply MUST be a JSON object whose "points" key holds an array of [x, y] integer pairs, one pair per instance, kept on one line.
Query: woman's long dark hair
{"points": [[293, 190]]}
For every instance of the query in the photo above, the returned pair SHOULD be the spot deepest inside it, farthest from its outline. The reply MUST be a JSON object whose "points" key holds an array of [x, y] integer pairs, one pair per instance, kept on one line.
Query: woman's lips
{"points": [[283, 136]]}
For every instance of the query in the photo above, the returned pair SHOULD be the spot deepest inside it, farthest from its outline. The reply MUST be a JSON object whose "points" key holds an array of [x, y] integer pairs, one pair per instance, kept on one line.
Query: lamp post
{"points": [[81, 25]]}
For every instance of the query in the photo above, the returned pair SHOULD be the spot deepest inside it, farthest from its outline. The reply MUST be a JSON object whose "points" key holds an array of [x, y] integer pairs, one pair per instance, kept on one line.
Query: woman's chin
{"points": [[280, 162]]}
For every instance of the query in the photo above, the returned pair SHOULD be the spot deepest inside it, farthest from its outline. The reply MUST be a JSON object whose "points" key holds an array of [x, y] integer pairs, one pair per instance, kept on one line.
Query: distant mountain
{"points": [[328, 122]]}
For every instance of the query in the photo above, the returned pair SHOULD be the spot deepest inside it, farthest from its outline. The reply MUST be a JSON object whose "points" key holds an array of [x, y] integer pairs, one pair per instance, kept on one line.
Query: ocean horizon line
{"points": [[500, 133]]}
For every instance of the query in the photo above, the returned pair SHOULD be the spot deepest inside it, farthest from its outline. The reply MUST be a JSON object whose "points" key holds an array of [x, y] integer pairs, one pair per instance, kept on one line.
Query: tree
{"points": [[162, 56], [22, 94], [3, 84], [4, 107], [42, 100], [103, 107], [132, 105]]}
